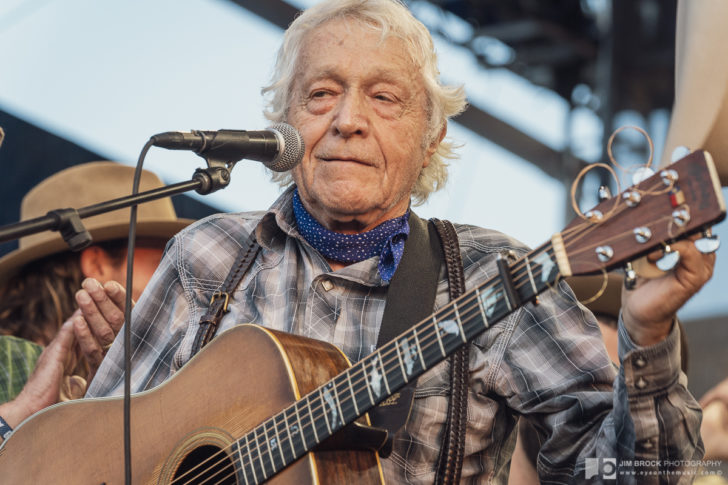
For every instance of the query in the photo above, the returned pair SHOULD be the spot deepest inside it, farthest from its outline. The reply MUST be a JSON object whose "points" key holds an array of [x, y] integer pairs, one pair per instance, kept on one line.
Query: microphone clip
{"points": [[213, 160], [213, 178]]}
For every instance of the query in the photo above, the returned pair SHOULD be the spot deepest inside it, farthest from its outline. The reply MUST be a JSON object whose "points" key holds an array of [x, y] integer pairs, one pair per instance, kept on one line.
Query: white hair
{"points": [[390, 17]]}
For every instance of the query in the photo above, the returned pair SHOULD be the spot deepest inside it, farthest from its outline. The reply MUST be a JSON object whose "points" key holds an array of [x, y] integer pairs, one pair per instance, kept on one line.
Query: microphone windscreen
{"points": [[291, 153]]}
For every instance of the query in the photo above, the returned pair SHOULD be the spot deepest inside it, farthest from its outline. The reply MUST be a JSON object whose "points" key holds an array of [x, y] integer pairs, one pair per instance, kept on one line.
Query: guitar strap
{"points": [[452, 452], [410, 299], [220, 299]]}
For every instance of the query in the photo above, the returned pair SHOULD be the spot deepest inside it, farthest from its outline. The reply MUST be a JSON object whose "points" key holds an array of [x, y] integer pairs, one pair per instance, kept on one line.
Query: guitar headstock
{"points": [[679, 200]]}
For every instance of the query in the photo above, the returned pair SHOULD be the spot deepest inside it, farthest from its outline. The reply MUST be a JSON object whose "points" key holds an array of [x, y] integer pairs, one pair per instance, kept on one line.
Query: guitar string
{"points": [[425, 345], [655, 190], [581, 250], [619, 208]]}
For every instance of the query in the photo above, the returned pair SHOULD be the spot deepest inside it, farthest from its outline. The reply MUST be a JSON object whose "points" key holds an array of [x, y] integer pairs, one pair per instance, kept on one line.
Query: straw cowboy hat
{"points": [[83, 185], [700, 113]]}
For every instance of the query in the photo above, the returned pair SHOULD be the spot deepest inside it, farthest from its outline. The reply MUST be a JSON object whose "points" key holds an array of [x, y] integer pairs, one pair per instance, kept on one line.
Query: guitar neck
{"points": [[296, 430]]}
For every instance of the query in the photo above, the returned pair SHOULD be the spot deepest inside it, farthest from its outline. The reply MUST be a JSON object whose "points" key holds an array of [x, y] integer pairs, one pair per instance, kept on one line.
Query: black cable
{"points": [[127, 314]]}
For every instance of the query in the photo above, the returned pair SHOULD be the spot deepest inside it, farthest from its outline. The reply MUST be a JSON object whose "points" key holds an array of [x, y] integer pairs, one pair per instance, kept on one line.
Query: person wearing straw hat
{"points": [[39, 279], [43, 284]]}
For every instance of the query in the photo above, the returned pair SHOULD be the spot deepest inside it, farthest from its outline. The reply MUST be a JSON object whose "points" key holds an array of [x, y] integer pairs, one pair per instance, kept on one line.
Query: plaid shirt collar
{"points": [[278, 222]]}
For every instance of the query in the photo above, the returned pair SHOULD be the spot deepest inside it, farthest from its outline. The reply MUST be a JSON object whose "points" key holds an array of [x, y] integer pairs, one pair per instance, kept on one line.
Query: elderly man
{"points": [[358, 79]]}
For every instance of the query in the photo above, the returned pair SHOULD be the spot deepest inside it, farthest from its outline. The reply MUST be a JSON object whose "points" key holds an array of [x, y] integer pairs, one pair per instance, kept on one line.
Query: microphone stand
{"points": [[68, 221]]}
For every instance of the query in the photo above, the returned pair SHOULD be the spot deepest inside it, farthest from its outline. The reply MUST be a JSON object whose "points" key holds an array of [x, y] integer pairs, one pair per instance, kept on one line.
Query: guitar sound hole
{"points": [[214, 467]]}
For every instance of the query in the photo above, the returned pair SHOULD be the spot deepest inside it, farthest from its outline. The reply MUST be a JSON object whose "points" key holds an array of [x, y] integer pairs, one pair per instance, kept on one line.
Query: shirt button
{"points": [[327, 285], [641, 383], [640, 362]]}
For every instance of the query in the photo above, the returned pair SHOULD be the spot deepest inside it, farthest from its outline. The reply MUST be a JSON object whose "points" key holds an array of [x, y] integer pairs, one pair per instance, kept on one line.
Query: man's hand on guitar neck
{"points": [[649, 310]]}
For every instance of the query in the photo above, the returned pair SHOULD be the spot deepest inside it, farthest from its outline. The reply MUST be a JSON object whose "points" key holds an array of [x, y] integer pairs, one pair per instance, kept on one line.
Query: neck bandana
{"points": [[386, 240]]}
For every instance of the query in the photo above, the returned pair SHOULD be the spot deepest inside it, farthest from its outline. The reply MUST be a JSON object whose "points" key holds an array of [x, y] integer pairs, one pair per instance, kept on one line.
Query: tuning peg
{"points": [[669, 259], [679, 152], [642, 174], [709, 243], [604, 193], [630, 277]]}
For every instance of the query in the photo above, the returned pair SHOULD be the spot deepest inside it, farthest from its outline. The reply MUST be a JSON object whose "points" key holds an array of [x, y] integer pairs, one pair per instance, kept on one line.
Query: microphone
{"points": [[279, 147]]}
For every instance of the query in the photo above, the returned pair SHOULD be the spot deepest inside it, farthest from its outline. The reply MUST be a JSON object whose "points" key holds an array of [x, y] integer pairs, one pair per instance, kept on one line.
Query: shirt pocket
{"points": [[418, 442]]}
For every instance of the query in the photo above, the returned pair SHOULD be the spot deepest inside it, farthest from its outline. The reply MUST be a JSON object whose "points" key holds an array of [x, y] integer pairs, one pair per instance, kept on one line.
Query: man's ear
{"points": [[95, 263], [434, 144]]}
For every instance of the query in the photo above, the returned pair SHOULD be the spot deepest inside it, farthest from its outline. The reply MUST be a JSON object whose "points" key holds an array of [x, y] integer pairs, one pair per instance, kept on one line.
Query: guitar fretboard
{"points": [[293, 432]]}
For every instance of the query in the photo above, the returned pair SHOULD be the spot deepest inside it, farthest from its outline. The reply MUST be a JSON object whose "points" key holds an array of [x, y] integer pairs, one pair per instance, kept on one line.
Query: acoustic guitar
{"points": [[277, 404]]}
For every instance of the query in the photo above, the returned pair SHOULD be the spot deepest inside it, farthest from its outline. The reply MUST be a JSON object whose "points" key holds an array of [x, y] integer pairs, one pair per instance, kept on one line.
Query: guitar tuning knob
{"points": [[669, 259], [642, 174], [709, 243], [630, 277], [679, 153], [604, 193]]}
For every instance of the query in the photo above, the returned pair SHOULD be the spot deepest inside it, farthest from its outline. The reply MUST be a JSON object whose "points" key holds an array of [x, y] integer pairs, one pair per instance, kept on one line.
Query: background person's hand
{"points": [[101, 319], [43, 388]]}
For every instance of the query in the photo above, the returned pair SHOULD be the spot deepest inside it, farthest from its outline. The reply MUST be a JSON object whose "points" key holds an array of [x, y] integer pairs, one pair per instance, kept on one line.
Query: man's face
{"points": [[147, 255], [361, 107]]}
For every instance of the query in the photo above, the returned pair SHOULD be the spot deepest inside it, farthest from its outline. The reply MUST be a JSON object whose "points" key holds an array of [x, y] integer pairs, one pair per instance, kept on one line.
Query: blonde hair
{"points": [[390, 17]]}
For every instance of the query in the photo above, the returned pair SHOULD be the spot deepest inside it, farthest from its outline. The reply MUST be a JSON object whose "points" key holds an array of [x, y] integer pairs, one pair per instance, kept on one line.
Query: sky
{"points": [[109, 75]]}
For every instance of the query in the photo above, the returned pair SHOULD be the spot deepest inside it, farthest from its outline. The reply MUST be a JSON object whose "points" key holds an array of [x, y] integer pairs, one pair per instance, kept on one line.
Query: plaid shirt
{"points": [[17, 361], [545, 363]]}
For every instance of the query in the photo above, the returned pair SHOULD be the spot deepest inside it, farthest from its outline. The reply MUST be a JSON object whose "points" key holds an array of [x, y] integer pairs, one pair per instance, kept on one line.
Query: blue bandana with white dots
{"points": [[386, 240]]}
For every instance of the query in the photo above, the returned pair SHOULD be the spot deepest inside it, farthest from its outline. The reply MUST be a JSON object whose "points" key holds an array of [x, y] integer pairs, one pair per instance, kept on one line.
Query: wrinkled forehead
{"points": [[348, 41], [368, 28]]}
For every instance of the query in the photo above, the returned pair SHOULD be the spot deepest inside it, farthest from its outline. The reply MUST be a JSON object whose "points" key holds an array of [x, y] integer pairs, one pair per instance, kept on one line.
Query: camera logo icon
{"points": [[605, 468]]}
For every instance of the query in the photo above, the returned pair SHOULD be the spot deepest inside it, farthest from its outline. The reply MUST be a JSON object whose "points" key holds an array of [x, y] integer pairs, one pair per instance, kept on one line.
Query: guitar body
{"points": [[239, 380]]}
